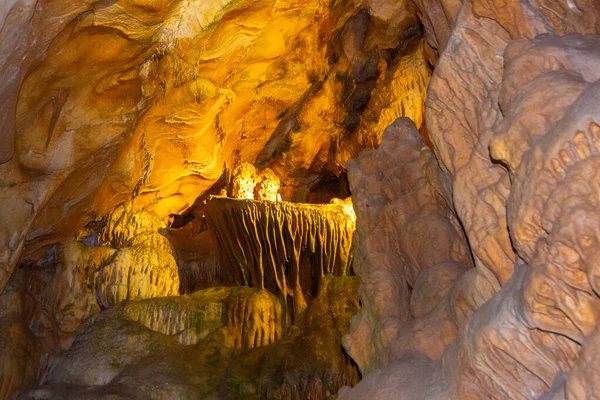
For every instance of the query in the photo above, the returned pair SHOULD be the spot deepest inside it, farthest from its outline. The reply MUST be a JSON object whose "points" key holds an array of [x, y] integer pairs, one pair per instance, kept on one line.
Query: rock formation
{"points": [[183, 92], [284, 247], [245, 179], [190, 347], [268, 187], [401, 217], [126, 272], [512, 118]]}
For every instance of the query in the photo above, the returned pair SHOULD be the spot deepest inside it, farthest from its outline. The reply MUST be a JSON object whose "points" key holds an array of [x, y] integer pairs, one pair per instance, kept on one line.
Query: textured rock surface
{"points": [[268, 187], [512, 118], [477, 247], [284, 247], [245, 179], [19, 351], [140, 266], [401, 216], [123, 256], [181, 92], [133, 351]]}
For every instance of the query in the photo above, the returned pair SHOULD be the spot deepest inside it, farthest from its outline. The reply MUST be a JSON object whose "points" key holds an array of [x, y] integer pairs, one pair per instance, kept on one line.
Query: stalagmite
{"points": [[142, 265]]}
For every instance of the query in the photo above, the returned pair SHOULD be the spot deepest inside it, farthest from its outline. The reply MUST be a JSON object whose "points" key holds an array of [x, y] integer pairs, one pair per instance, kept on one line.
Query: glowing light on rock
{"points": [[284, 247]]}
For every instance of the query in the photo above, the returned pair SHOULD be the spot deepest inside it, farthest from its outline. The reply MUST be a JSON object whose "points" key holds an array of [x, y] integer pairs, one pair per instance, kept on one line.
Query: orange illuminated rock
{"points": [[19, 350], [285, 247], [180, 93], [140, 262], [268, 187], [245, 179]]}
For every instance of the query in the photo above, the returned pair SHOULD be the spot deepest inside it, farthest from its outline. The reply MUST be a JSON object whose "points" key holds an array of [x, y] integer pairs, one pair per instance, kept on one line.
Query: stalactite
{"points": [[273, 244]]}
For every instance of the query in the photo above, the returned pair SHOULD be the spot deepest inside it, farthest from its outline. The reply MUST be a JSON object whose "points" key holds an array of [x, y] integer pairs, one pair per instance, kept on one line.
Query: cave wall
{"points": [[477, 228], [512, 114], [176, 94], [119, 115]]}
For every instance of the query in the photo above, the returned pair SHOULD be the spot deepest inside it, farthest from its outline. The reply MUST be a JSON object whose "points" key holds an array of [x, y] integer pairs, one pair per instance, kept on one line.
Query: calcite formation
{"points": [[513, 117], [268, 187], [249, 183], [20, 353], [181, 92], [196, 256], [402, 213], [245, 179], [247, 317], [124, 257], [188, 347], [138, 262], [284, 247], [476, 236]]}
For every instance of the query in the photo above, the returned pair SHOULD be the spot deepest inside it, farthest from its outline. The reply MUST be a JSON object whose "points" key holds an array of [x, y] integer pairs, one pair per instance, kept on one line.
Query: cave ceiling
{"points": [[109, 101]]}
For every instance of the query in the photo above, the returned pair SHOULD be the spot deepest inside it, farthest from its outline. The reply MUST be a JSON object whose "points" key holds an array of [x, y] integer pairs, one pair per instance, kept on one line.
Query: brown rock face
{"points": [[513, 118], [401, 216], [126, 272]]}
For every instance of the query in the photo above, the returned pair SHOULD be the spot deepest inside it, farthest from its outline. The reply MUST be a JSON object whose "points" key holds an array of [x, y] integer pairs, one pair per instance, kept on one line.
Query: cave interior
{"points": [[325, 199]]}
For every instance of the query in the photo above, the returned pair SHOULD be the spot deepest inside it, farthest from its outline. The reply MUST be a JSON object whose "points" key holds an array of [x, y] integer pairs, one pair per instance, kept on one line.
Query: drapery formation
{"points": [[281, 246]]}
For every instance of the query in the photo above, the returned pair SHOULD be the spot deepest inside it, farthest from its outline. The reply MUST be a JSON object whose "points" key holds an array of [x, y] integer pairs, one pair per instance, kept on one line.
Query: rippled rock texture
{"points": [[178, 95], [119, 118], [285, 247], [104, 310], [512, 115], [477, 231]]}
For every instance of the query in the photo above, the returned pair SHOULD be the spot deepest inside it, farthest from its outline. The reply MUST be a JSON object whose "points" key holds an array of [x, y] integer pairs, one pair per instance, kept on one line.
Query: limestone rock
{"points": [[245, 179], [253, 321], [281, 246], [477, 227], [196, 255], [400, 92], [268, 187], [76, 280], [135, 349], [136, 272], [184, 91], [19, 350], [136, 262], [400, 217], [525, 317], [19, 358]]}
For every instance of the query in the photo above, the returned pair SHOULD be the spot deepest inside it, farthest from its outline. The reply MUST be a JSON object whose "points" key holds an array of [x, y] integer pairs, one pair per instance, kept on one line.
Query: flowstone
{"points": [[284, 247], [208, 345]]}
